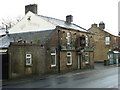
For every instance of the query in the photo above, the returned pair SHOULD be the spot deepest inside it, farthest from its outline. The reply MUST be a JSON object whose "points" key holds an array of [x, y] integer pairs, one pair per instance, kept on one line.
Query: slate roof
{"points": [[2, 31], [33, 36], [5, 41], [63, 23], [27, 36]]}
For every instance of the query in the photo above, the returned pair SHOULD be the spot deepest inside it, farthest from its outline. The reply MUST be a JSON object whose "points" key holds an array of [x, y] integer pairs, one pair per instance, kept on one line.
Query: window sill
{"points": [[69, 64], [87, 63], [53, 65]]}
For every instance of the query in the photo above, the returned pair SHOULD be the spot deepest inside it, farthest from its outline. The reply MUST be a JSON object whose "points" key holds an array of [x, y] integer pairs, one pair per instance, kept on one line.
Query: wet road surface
{"points": [[100, 77]]}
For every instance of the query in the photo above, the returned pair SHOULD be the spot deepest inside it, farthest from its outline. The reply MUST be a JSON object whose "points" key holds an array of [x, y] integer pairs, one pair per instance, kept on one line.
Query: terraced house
{"points": [[104, 42], [40, 44]]}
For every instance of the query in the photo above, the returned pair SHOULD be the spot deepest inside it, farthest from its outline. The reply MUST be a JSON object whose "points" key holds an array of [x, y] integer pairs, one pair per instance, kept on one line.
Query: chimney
{"points": [[69, 19], [102, 25], [31, 7], [94, 25]]}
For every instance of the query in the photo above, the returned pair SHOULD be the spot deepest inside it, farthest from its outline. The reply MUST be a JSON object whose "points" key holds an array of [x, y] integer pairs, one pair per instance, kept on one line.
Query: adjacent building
{"points": [[104, 42]]}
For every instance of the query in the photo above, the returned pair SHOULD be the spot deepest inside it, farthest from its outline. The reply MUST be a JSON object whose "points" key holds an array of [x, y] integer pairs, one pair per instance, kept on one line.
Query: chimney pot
{"points": [[94, 25], [69, 19], [102, 25], [31, 7]]}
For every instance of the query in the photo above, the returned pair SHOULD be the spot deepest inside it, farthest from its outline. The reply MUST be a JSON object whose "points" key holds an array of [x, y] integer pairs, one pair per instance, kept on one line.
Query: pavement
{"points": [[98, 66]]}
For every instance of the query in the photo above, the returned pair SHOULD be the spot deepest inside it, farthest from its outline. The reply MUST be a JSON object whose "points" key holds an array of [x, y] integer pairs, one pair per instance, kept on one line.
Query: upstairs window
{"points": [[28, 59], [86, 40], [69, 58], [68, 38], [53, 58], [107, 40], [82, 41]]}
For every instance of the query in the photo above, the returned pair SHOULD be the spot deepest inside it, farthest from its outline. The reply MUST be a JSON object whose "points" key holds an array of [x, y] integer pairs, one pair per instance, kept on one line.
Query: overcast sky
{"points": [[85, 12]]}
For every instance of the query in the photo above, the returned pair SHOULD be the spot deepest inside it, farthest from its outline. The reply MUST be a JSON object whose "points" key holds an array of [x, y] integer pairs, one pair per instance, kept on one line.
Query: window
{"points": [[68, 38], [86, 40], [53, 59], [82, 41], [107, 40], [28, 59], [85, 58], [69, 58]]}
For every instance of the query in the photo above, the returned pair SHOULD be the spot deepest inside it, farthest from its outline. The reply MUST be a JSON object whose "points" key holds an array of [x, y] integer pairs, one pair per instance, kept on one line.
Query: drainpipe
{"points": [[58, 51]]}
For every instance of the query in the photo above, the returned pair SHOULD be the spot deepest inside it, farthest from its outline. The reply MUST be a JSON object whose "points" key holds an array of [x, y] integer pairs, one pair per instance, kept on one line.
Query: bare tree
{"points": [[9, 22]]}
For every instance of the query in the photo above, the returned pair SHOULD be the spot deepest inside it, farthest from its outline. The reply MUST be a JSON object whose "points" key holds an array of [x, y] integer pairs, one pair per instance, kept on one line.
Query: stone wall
{"points": [[17, 59], [100, 48]]}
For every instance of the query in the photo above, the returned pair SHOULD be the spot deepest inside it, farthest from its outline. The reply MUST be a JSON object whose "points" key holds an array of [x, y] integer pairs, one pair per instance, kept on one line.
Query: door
{"points": [[79, 61], [4, 57], [111, 59]]}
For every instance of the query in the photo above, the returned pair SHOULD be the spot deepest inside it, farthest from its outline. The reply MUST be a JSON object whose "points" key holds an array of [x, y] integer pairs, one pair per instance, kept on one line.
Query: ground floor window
{"points": [[28, 59], [85, 58], [69, 58], [53, 59]]}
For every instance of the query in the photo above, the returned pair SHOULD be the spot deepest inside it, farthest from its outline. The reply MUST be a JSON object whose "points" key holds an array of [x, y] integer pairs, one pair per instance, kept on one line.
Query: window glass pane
{"points": [[68, 38], [28, 60], [68, 60], [86, 40], [68, 53], [85, 58], [28, 55], [107, 40], [53, 59], [82, 40]]}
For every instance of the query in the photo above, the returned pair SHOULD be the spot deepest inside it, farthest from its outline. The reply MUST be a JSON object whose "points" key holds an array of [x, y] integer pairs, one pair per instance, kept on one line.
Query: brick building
{"points": [[42, 44]]}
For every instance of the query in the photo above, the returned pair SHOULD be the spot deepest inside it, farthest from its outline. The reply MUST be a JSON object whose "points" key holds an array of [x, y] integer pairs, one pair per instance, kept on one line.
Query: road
{"points": [[100, 77]]}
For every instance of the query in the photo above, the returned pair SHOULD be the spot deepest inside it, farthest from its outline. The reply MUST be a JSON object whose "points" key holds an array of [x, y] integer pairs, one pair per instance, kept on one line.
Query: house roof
{"points": [[63, 23], [36, 36], [41, 36], [5, 41], [40, 22], [2, 31]]}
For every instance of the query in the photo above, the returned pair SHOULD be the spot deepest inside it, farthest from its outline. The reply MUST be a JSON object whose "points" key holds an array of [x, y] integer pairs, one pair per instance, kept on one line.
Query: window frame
{"points": [[68, 37], [82, 41], [53, 54], [86, 40], [30, 57], [85, 58], [107, 40], [70, 58]]}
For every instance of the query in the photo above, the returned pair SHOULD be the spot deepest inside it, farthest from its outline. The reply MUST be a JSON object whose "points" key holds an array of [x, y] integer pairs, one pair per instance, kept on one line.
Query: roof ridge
{"points": [[51, 17], [62, 23]]}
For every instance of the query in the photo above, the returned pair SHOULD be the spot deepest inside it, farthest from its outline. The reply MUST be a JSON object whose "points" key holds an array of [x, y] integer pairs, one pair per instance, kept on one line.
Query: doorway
{"points": [[79, 61], [4, 61]]}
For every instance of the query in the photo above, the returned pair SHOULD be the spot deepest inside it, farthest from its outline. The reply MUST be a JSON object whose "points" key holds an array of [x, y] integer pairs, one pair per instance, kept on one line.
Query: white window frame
{"points": [[86, 40], [107, 40], [68, 38], [29, 56], [53, 54], [70, 58], [87, 55]]}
